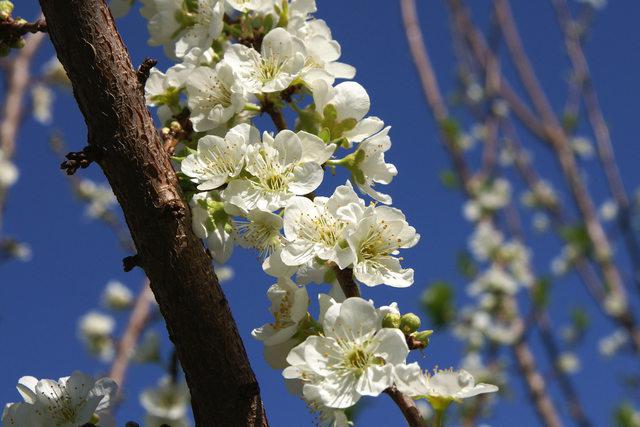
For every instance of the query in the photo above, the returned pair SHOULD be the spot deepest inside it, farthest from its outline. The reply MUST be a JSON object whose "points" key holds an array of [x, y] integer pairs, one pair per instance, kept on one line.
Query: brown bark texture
{"points": [[124, 142]]}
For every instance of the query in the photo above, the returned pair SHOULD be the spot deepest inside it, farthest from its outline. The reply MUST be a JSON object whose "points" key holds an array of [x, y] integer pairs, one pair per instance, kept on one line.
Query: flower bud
{"points": [[422, 337], [409, 323], [391, 320], [6, 7]]}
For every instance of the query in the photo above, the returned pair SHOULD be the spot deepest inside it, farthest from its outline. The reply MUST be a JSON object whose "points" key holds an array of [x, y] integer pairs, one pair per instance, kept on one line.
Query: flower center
{"points": [[268, 68], [358, 359]]}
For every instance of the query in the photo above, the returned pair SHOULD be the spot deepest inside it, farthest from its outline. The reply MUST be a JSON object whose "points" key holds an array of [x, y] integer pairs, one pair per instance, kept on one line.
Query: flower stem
{"points": [[438, 418]]}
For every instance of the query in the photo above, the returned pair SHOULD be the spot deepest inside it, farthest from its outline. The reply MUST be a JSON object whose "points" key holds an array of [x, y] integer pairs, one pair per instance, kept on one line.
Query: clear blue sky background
{"points": [[41, 301]]}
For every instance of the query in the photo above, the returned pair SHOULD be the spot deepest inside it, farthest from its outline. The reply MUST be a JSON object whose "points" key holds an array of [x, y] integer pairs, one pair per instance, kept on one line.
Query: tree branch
{"points": [[535, 384], [137, 323], [582, 75], [523, 356], [18, 76], [407, 406], [223, 387]]}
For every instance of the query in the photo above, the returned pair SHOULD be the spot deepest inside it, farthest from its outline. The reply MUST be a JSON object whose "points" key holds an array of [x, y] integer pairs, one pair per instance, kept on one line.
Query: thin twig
{"points": [[556, 137], [18, 71], [522, 354], [535, 384], [582, 75], [138, 321], [407, 406]]}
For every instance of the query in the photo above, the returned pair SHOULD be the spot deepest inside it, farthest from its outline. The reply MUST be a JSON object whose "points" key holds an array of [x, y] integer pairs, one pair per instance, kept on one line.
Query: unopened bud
{"points": [[409, 323], [422, 338], [391, 320], [6, 7]]}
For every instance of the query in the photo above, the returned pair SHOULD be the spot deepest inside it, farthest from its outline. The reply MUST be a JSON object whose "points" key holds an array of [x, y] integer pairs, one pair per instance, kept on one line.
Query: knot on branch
{"points": [[131, 262], [180, 129], [174, 209], [144, 70], [79, 159]]}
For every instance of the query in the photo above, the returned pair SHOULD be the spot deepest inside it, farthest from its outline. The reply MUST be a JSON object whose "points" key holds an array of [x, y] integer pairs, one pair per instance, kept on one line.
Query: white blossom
{"points": [[354, 357], [485, 241], [289, 304], [42, 100], [371, 167], [608, 211], [260, 6], [568, 362], [8, 171], [582, 147], [261, 231], [278, 169], [167, 403], [120, 8], [217, 159], [214, 96], [210, 222], [376, 241], [319, 228], [495, 279], [68, 402], [441, 388], [100, 197], [611, 344], [95, 330], [117, 296], [322, 53], [274, 68]]}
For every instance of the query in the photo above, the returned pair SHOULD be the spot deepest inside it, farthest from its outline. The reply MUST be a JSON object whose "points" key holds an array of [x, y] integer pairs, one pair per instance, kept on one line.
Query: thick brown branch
{"points": [[223, 387]]}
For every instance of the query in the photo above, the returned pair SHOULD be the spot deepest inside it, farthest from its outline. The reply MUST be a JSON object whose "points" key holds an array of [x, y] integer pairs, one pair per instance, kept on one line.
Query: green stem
{"points": [[438, 418]]}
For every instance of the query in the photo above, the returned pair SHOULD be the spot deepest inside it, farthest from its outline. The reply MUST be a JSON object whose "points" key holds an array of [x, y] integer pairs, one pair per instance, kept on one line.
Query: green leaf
{"points": [[449, 179], [580, 320], [540, 292], [577, 236], [438, 303], [465, 265]]}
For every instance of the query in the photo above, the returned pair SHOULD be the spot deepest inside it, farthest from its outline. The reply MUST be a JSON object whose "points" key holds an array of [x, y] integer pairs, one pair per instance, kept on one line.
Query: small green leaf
{"points": [[438, 303]]}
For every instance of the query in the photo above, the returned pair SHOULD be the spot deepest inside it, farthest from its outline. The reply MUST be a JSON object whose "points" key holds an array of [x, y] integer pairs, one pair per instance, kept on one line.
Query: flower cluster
{"points": [[506, 270], [70, 401], [236, 60]]}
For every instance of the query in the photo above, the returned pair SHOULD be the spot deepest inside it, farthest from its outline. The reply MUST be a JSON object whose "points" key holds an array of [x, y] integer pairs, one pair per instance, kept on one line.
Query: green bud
{"points": [[360, 156], [18, 44], [358, 175], [348, 124], [324, 134], [267, 23], [6, 7], [191, 5], [391, 320], [409, 323], [185, 19], [330, 113], [422, 337]]}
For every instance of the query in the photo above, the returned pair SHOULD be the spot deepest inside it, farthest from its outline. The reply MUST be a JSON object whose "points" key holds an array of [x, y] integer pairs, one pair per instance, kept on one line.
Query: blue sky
{"points": [[41, 301]]}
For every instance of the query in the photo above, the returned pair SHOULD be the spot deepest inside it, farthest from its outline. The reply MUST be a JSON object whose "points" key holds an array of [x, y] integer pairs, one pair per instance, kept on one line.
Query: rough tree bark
{"points": [[126, 145]]}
